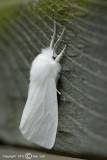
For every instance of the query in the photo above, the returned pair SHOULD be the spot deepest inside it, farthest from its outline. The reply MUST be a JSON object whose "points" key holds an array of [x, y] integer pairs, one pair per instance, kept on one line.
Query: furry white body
{"points": [[40, 116]]}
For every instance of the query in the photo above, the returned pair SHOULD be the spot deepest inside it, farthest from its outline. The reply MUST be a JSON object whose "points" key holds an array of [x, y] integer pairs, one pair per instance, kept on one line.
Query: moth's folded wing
{"points": [[49, 123], [40, 116]]}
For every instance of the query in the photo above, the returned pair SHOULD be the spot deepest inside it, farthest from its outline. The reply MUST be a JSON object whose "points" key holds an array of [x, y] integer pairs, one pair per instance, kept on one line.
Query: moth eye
{"points": [[53, 57]]}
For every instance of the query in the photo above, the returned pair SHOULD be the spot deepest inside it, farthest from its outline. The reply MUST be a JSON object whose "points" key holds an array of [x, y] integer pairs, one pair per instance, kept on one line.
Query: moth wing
{"points": [[40, 116]]}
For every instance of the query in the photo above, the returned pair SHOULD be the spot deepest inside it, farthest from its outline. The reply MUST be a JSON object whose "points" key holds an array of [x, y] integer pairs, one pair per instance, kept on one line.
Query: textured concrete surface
{"points": [[24, 31]]}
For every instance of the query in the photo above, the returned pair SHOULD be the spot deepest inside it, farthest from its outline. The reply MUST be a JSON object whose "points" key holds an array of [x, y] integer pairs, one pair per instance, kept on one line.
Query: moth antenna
{"points": [[60, 55], [53, 37], [59, 40]]}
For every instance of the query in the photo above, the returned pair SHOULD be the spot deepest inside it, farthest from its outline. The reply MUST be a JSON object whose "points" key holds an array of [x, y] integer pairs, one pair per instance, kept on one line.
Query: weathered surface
{"points": [[24, 31]]}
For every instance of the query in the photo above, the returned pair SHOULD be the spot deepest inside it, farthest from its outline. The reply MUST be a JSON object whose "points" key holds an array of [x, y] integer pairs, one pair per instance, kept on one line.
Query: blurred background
{"points": [[26, 26]]}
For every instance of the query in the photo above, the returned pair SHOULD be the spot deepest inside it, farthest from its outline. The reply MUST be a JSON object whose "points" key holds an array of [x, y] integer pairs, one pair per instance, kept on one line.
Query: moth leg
{"points": [[60, 55], [58, 91], [59, 39], [53, 37]]}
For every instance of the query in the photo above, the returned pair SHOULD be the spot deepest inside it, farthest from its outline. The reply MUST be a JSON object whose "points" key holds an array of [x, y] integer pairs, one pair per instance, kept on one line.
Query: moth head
{"points": [[54, 55], [48, 52]]}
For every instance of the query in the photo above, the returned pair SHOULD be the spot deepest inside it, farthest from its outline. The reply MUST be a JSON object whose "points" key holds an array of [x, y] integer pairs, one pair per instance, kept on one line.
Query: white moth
{"points": [[40, 116]]}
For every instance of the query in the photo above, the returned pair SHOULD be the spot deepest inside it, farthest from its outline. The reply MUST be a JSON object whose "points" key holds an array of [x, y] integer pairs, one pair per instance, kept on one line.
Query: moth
{"points": [[39, 120]]}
